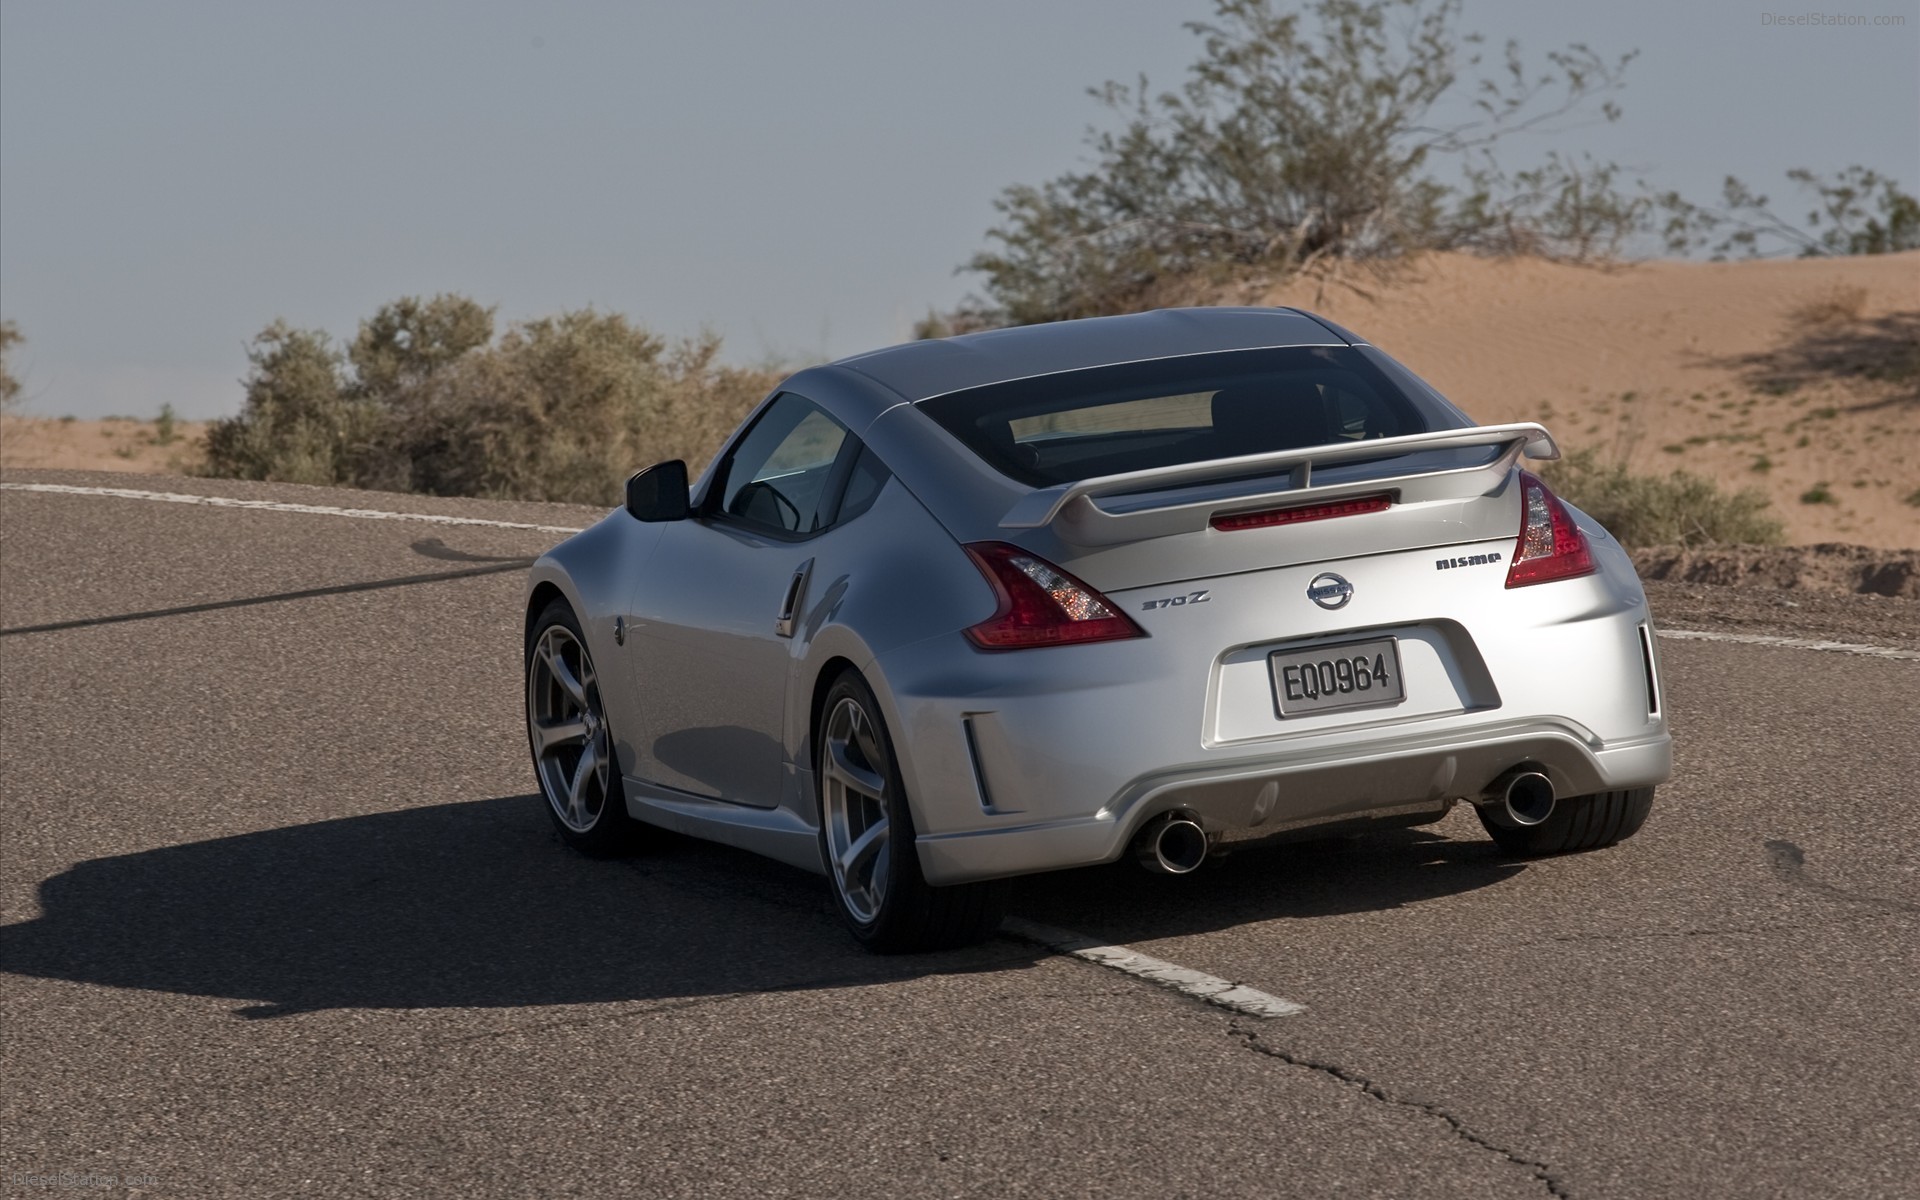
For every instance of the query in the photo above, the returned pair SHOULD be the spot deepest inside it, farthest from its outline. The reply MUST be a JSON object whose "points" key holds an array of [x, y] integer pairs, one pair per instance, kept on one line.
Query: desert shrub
{"points": [[297, 423], [425, 399], [1858, 211], [1299, 137], [9, 384], [406, 341], [1675, 509], [1840, 304]]}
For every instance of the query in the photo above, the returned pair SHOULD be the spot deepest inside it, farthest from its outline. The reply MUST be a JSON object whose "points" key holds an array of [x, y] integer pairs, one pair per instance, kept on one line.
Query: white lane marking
{"points": [[376, 514], [362, 514], [1791, 643], [1184, 980]]}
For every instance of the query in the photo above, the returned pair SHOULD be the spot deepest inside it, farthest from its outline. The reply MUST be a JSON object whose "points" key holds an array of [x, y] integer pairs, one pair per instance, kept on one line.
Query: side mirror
{"points": [[659, 493]]}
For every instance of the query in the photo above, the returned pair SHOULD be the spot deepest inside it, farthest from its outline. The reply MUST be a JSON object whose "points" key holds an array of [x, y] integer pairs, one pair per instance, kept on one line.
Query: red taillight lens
{"points": [[1041, 605], [1551, 545], [1227, 522]]}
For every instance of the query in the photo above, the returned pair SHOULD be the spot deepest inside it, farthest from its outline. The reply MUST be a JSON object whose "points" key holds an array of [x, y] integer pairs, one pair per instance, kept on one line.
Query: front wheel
{"points": [[1576, 823], [572, 747], [867, 839]]}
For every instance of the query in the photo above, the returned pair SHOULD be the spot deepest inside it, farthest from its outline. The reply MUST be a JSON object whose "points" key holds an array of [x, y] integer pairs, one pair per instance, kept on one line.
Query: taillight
{"points": [[1551, 545], [1228, 522], [1041, 605]]}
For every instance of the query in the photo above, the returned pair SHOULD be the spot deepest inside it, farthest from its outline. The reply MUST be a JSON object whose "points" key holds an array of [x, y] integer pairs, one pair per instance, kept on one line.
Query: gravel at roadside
{"points": [[1875, 620]]}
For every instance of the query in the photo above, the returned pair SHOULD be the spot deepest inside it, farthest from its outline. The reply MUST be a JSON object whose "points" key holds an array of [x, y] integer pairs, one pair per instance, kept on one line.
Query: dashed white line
{"points": [[1188, 982], [362, 514], [1791, 643]]}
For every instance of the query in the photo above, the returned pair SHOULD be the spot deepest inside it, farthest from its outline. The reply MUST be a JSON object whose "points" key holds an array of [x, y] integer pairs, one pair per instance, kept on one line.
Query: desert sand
{"points": [[1797, 377], [110, 444]]}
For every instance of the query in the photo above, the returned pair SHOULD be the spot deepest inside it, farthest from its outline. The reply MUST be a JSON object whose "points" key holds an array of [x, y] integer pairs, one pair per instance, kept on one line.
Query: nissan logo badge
{"points": [[1329, 590]]}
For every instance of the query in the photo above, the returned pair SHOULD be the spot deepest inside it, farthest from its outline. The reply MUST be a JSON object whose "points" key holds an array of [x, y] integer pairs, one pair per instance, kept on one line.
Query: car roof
{"points": [[921, 370]]}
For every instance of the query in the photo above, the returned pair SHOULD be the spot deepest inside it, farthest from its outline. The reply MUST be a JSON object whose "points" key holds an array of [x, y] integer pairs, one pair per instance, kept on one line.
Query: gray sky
{"points": [[801, 177]]}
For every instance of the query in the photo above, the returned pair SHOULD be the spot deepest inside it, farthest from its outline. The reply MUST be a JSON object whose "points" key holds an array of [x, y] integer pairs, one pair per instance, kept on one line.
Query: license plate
{"points": [[1327, 678]]}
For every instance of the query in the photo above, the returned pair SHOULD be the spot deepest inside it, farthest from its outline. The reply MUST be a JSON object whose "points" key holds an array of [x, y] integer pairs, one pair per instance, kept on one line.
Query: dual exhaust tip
{"points": [[1171, 844], [1523, 797], [1175, 844]]}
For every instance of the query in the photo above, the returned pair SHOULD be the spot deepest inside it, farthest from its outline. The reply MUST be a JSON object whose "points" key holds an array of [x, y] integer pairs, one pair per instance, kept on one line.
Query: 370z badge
{"points": [[1329, 590], [1199, 597]]}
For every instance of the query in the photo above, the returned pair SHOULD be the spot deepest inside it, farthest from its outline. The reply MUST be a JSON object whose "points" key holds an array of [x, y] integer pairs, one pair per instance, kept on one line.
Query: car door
{"points": [[713, 615]]}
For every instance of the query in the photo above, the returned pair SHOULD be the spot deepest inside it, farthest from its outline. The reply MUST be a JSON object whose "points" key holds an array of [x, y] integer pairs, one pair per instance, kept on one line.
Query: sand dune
{"points": [[1789, 376]]}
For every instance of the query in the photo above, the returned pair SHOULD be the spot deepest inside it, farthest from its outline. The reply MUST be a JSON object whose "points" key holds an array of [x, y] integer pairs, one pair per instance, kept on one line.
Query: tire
{"points": [[867, 838], [1576, 823], [567, 734]]}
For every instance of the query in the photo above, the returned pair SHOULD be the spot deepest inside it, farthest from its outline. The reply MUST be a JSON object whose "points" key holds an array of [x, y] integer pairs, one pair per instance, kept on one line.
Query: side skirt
{"points": [[777, 833]]}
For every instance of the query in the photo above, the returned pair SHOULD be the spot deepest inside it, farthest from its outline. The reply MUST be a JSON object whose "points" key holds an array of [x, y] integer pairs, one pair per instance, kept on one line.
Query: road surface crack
{"points": [[1539, 1170]]}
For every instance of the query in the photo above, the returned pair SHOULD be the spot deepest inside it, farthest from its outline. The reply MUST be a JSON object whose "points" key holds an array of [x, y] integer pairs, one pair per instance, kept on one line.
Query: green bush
{"points": [[9, 385], [1857, 211], [1676, 509], [426, 400], [297, 424], [1301, 136]]}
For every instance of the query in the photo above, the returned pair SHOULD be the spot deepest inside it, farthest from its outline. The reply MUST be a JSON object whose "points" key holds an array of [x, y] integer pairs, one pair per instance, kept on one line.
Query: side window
{"points": [[869, 475], [777, 477]]}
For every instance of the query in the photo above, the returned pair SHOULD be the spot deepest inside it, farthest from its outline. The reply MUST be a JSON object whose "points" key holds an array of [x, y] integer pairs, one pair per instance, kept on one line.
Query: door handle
{"points": [[796, 593]]}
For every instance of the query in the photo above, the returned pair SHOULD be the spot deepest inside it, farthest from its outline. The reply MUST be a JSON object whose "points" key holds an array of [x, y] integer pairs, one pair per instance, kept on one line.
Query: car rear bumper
{"points": [[1037, 760], [1408, 780]]}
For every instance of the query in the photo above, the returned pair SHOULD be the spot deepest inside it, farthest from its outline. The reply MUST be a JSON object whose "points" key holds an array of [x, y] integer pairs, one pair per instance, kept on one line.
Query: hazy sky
{"points": [[801, 177]]}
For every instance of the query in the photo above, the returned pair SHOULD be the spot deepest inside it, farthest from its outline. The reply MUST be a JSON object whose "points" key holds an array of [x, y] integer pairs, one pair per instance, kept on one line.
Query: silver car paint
{"points": [[1040, 759]]}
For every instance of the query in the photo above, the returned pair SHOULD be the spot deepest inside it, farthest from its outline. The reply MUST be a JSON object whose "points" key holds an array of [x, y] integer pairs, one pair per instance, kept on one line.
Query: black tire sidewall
{"points": [[904, 880], [612, 830], [1569, 830]]}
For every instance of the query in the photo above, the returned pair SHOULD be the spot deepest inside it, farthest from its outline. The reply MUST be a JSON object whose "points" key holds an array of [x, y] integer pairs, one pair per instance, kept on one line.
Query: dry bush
{"points": [[1838, 305], [1303, 134], [1676, 509], [561, 408], [9, 385]]}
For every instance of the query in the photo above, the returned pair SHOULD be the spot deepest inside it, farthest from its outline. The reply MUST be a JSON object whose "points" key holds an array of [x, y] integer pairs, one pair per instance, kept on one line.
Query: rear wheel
{"points": [[1576, 823], [572, 747], [867, 838]]}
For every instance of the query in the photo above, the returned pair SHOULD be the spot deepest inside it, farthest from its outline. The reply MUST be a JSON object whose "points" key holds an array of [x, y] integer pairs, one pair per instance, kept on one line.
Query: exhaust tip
{"points": [[1528, 798], [1173, 845]]}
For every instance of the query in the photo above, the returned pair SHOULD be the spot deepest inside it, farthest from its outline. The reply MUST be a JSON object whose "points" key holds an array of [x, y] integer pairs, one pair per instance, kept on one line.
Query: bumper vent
{"points": [[1646, 660]]}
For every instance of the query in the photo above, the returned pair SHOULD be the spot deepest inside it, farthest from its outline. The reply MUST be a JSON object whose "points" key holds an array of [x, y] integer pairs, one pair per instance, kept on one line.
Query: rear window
{"points": [[1082, 424]]}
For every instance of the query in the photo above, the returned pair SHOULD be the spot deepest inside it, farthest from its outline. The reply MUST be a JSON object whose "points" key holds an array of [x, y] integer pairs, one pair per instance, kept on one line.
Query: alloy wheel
{"points": [[855, 808], [567, 727]]}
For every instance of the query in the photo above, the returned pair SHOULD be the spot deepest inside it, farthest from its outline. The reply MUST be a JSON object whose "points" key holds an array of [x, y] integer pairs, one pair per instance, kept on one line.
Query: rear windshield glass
{"points": [[1138, 416]]}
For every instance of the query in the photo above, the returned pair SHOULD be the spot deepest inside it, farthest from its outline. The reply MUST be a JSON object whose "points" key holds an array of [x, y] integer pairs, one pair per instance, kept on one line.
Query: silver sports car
{"points": [[1038, 598]]}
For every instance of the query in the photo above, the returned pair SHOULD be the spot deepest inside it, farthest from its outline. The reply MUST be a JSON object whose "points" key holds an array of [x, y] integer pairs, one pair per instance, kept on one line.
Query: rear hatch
{"points": [[1318, 538], [1215, 464]]}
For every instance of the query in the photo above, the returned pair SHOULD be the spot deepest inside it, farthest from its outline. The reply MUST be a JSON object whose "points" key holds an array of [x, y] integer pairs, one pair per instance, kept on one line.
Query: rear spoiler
{"points": [[1083, 520]]}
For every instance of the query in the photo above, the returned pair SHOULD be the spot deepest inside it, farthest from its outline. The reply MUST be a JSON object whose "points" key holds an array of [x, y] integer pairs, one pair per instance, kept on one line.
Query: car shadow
{"points": [[1304, 879], [477, 904]]}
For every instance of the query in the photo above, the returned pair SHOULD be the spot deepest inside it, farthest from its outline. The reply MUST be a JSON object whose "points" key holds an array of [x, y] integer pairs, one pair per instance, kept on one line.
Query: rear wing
{"points": [[1160, 501]]}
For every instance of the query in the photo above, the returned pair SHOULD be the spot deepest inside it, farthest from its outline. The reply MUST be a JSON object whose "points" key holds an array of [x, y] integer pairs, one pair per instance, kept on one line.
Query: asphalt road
{"points": [[278, 914]]}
